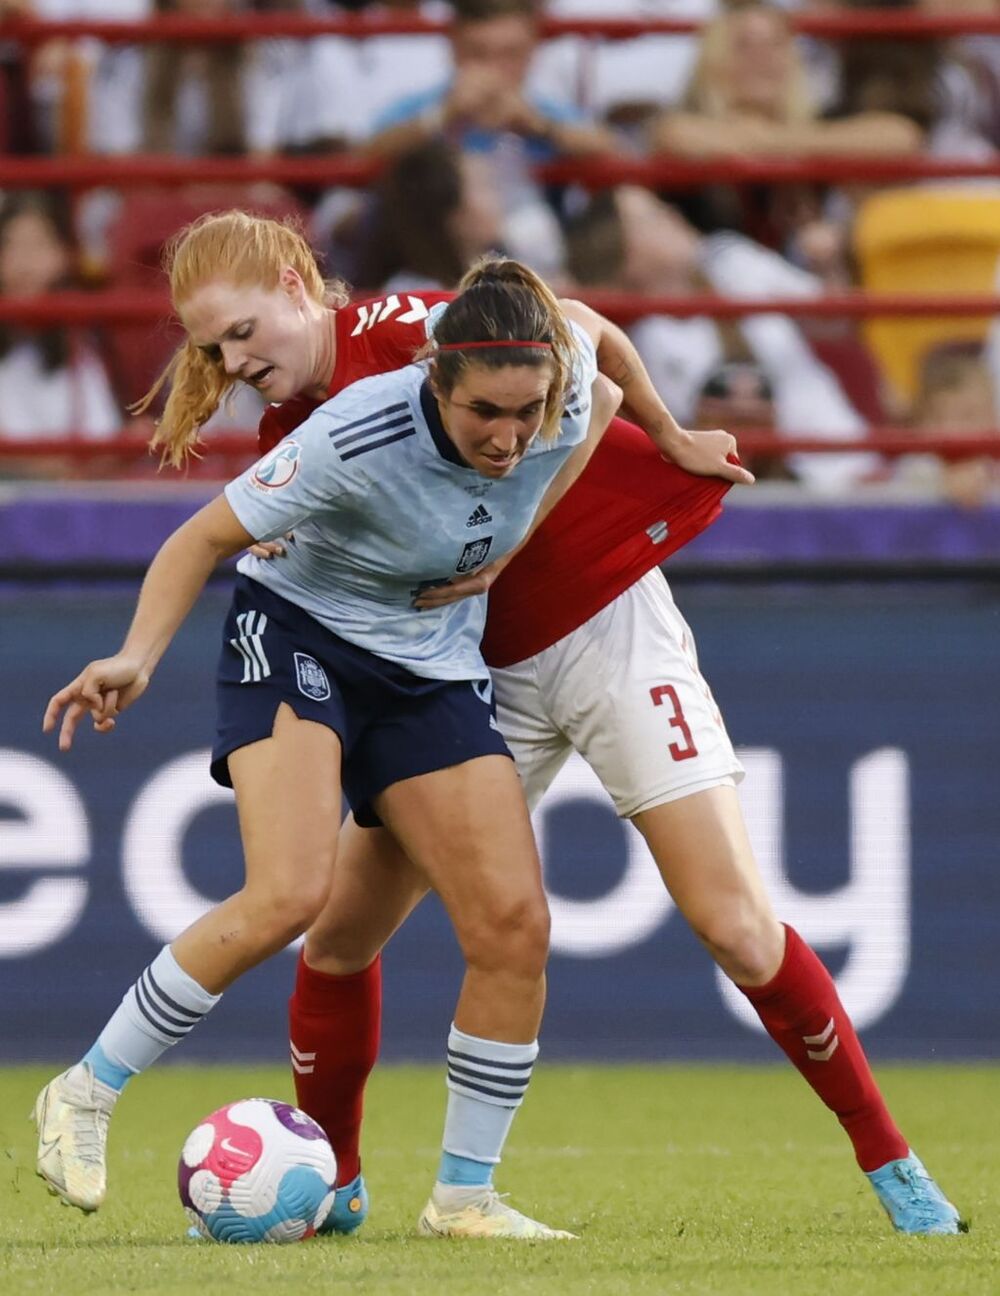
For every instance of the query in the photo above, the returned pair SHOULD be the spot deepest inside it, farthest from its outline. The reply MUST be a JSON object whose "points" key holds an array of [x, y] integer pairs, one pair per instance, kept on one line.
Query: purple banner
{"points": [[59, 528]]}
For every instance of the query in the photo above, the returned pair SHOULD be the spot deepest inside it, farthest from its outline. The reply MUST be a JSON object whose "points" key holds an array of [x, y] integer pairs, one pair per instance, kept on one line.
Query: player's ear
{"points": [[291, 284]]}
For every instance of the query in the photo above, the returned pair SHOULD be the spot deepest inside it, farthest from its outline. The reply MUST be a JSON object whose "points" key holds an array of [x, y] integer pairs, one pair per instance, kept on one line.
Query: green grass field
{"points": [[710, 1180]]}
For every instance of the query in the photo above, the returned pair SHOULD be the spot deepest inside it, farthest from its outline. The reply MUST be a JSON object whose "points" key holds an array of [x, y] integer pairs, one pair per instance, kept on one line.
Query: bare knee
{"points": [[339, 947], [511, 938], [746, 940], [280, 915]]}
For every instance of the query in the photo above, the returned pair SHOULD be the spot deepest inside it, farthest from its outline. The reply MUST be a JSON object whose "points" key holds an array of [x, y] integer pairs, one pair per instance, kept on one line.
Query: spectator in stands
{"points": [[956, 398], [436, 210], [977, 56], [487, 107], [52, 381], [624, 82], [87, 93], [17, 127], [739, 396], [193, 100], [486, 97], [217, 98], [748, 96], [348, 84], [629, 240], [925, 82], [175, 97]]}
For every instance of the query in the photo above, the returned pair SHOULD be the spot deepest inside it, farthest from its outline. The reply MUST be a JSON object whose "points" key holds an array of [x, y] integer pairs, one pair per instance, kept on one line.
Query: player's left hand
{"points": [[462, 587], [708, 454]]}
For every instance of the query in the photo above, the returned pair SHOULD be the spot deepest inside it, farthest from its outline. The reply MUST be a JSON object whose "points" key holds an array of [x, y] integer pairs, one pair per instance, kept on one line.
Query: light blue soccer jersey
{"points": [[381, 506]]}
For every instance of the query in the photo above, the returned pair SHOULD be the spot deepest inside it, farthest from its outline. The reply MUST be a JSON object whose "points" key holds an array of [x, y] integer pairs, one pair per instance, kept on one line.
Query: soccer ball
{"points": [[257, 1171]]}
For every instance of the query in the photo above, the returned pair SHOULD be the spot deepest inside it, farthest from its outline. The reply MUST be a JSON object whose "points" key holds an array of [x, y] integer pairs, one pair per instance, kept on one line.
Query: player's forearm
{"points": [[618, 358], [605, 399], [175, 578]]}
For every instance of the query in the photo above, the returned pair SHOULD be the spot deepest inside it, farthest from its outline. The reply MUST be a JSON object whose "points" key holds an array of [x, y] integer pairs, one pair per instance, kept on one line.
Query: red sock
{"points": [[334, 1026], [802, 1013]]}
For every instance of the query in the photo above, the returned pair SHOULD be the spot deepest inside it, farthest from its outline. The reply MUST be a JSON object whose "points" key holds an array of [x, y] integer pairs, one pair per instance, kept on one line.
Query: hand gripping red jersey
{"points": [[629, 510]]}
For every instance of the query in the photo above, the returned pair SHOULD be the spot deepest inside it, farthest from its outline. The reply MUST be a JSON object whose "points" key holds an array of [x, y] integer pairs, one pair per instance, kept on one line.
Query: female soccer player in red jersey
{"points": [[589, 652]]}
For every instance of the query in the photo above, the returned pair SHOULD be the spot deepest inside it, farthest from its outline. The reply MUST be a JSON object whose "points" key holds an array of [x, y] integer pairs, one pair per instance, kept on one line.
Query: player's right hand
{"points": [[104, 689], [271, 548]]}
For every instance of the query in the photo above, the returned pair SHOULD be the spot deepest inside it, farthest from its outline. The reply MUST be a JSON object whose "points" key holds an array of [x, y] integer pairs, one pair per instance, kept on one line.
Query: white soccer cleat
{"points": [[485, 1215], [72, 1114]]}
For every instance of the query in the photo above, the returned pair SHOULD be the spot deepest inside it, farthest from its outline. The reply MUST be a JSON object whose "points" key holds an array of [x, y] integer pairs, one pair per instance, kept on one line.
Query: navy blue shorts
{"points": [[392, 724]]}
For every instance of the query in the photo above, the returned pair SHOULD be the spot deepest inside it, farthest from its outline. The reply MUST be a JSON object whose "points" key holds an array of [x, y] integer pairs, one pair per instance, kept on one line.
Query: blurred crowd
{"points": [[459, 122]]}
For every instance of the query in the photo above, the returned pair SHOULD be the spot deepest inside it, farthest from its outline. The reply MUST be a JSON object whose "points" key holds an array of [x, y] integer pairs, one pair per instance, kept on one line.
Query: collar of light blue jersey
{"points": [[445, 446]]}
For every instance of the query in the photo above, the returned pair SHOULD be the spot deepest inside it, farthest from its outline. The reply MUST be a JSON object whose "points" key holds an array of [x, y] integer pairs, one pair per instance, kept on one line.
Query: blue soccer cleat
{"points": [[349, 1210], [912, 1200]]}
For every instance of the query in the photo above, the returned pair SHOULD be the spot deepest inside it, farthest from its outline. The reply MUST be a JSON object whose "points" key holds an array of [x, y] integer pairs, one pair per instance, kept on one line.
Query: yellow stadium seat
{"points": [[925, 240]]}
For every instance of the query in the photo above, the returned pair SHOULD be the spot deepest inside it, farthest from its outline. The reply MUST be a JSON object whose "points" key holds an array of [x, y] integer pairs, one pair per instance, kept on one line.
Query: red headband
{"points": [[470, 346]]}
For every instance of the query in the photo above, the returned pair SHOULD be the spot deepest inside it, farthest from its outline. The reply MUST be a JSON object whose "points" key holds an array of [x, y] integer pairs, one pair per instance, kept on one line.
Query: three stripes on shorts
{"points": [[249, 643]]}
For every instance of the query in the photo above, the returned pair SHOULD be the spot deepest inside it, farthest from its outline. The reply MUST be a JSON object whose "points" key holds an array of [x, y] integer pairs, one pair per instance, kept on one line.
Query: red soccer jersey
{"points": [[629, 510]]}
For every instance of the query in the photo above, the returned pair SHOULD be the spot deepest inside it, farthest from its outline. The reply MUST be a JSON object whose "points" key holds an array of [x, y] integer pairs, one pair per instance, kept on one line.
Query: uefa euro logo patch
{"points": [[311, 678], [278, 468]]}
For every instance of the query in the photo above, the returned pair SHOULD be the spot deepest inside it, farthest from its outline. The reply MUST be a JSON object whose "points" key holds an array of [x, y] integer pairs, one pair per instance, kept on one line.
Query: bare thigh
{"points": [[375, 889], [701, 848]]}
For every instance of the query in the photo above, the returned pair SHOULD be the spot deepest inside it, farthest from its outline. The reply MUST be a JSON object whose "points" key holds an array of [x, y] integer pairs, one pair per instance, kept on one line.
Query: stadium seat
{"points": [[146, 220], [925, 240]]}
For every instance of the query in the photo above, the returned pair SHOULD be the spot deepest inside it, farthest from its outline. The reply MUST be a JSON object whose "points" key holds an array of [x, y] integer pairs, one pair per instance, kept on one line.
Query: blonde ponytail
{"points": [[198, 386]]}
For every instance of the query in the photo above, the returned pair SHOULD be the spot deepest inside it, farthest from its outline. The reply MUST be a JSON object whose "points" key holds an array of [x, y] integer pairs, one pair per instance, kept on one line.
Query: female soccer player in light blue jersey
{"points": [[331, 675]]}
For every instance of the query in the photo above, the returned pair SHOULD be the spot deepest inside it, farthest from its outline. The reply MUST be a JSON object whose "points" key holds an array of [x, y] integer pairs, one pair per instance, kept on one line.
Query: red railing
{"points": [[119, 306], [84, 171], [892, 442], [886, 24]]}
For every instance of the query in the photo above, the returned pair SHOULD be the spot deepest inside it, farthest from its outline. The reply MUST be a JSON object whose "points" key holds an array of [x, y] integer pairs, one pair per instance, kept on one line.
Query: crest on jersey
{"points": [[474, 554], [278, 468], [311, 678]]}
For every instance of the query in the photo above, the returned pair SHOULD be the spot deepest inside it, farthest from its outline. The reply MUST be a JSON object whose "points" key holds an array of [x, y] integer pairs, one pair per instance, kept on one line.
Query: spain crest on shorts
{"points": [[311, 678], [474, 554]]}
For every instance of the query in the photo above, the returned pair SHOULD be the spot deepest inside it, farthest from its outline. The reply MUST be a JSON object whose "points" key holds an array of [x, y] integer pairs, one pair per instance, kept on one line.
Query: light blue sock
{"points": [[158, 1011], [487, 1080], [109, 1072], [459, 1171]]}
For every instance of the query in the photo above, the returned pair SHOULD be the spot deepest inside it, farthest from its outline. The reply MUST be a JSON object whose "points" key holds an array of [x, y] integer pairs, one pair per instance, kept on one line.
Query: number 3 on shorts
{"points": [[676, 719]]}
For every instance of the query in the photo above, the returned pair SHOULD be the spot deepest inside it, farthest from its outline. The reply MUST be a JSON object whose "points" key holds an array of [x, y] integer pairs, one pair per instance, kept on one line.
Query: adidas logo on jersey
{"points": [[479, 516]]}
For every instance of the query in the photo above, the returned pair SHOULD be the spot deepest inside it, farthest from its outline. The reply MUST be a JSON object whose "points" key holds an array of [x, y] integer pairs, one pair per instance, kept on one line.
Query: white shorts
{"points": [[625, 691]]}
